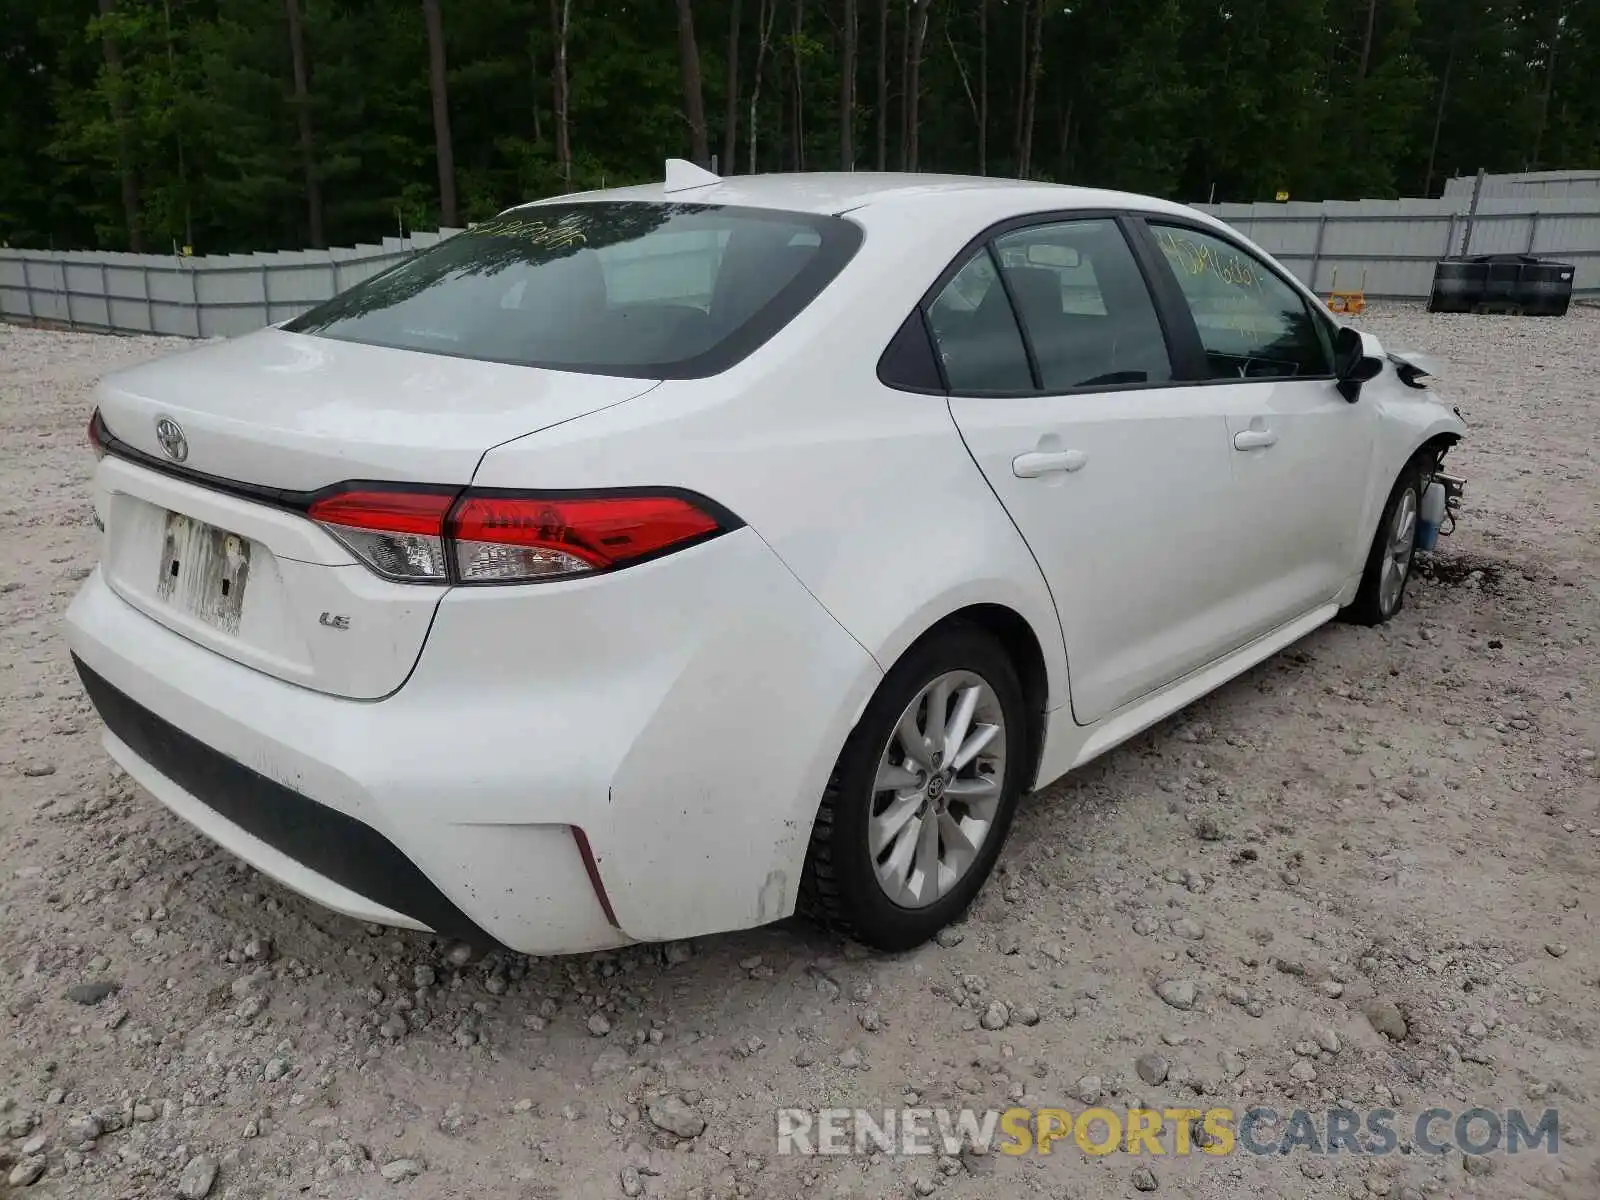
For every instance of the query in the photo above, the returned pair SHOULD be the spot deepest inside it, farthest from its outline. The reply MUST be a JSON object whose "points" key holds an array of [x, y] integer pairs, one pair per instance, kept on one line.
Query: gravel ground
{"points": [[1373, 856]]}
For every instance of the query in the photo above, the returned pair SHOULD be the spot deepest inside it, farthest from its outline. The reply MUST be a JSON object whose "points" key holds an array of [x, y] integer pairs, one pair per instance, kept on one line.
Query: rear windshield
{"points": [[650, 290]]}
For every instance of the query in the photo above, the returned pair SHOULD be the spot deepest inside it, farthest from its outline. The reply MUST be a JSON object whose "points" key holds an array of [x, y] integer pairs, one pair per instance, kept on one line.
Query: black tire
{"points": [[1370, 607], [840, 887]]}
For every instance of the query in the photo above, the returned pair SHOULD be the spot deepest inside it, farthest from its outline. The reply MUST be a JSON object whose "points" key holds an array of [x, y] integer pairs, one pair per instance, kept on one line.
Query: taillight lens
{"points": [[400, 535], [504, 538], [431, 536]]}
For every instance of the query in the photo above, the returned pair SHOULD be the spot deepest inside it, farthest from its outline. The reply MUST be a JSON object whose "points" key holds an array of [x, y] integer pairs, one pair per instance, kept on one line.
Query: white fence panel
{"points": [[1385, 247]]}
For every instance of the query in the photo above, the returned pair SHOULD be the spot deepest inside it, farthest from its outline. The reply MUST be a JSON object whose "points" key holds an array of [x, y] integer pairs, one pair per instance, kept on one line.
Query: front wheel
{"points": [[1383, 584], [923, 794]]}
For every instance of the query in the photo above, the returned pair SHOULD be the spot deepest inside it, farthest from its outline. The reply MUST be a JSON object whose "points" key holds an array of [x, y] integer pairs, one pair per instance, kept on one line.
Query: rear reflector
{"points": [[586, 852], [487, 537], [97, 441]]}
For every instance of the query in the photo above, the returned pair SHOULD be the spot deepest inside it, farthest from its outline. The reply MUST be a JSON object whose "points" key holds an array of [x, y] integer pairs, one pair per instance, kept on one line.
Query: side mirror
{"points": [[1354, 362]]}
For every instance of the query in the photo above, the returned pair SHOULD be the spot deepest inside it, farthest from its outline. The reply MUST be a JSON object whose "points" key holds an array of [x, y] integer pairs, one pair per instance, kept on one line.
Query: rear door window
{"points": [[618, 288], [1084, 305]]}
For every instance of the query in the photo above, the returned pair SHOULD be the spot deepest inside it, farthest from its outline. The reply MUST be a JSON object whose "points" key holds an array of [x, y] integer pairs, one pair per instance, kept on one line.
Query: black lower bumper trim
{"points": [[323, 840]]}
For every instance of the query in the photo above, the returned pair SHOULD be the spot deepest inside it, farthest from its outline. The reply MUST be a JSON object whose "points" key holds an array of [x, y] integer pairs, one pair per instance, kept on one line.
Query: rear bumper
{"points": [[683, 714], [344, 864]]}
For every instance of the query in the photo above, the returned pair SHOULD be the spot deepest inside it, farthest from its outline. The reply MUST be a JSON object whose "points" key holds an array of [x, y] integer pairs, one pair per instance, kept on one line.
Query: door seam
{"points": [[1066, 653]]}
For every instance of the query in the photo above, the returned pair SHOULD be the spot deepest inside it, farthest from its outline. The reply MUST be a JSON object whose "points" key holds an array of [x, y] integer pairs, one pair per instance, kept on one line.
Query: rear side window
{"points": [[976, 333], [1251, 323], [649, 290], [1084, 305]]}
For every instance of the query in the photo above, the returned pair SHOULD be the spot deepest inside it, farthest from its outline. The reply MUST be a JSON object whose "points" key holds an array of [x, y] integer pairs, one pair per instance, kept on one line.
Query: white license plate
{"points": [[204, 571]]}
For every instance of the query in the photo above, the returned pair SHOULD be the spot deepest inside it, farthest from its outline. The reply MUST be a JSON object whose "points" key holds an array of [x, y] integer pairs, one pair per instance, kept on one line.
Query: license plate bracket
{"points": [[203, 571]]}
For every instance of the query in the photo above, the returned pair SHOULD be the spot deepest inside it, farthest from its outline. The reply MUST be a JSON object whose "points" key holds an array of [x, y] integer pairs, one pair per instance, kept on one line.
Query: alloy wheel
{"points": [[937, 789], [1398, 547]]}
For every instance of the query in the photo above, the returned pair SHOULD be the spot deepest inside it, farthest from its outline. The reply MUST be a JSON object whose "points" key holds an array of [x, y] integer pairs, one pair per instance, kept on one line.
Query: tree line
{"points": [[273, 124]]}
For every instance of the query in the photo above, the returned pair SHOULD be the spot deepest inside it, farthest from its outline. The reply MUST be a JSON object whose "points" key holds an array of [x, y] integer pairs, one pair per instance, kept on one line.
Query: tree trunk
{"points": [[983, 87], [730, 119], [798, 129], [172, 80], [766, 15], [905, 75], [1366, 42], [914, 84], [302, 113], [533, 70], [444, 147], [1438, 118], [1030, 106], [560, 19], [883, 85], [694, 103], [1022, 83], [1558, 7], [131, 214], [1063, 161], [847, 91], [966, 84]]}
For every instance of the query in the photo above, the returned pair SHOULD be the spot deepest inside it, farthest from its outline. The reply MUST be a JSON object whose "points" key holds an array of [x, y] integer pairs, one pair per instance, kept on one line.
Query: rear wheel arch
{"points": [[1011, 629]]}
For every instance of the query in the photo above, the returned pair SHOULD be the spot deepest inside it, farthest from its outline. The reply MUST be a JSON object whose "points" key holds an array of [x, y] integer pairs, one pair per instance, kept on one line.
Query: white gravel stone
{"points": [[198, 1177]]}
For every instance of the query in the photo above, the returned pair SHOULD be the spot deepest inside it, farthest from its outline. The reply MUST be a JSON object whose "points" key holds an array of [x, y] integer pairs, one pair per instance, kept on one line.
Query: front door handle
{"points": [[1254, 439], [1041, 462]]}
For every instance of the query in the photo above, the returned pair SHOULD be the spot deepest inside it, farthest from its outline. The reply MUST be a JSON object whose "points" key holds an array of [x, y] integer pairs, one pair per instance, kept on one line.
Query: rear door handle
{"points": [[1040, 462], [1254, 439]]}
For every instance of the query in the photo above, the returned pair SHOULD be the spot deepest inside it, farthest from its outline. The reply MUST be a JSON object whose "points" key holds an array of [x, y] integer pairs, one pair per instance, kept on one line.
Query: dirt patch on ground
{"points": [[1375, 858]]}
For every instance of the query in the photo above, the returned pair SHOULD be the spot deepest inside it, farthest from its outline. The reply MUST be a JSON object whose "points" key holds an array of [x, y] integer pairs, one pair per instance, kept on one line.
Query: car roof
{"points": [[832, 193]]}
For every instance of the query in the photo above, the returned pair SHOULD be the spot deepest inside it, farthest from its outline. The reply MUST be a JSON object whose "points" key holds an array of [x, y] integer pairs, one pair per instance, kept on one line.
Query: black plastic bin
{"points": [[1517, 283], [1458, 285]]}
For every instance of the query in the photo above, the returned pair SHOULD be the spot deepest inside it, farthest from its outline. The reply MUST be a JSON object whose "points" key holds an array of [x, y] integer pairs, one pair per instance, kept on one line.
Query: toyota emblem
{"points": [[170, 434]]}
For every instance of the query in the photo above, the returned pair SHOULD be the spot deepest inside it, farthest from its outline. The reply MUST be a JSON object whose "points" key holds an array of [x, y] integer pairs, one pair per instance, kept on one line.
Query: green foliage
{"points": [[194, 136]]}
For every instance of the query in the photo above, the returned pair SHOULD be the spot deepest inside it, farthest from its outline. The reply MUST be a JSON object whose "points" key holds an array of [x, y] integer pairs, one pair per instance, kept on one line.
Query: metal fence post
{"points": [[27, 290], [194, 300], [1449, 237], [1472, 212], [266, 296], [149, 308], [1316, 250], [1533, 231], [105, 290], [66, 292]]}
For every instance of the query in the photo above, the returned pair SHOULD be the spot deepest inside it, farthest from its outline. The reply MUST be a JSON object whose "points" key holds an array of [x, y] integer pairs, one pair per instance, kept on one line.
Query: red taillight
{"points": [[519, 537], [429, 536], [400, 535], [386, 512], [96, 442]]}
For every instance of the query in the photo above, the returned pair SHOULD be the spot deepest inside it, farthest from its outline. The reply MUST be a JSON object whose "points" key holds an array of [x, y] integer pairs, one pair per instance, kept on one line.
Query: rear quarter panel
{"points": [[866, 493]]}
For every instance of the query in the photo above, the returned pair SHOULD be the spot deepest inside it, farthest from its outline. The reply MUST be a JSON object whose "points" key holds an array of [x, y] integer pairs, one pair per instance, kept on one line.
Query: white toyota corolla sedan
{"points": [[652, 562]]}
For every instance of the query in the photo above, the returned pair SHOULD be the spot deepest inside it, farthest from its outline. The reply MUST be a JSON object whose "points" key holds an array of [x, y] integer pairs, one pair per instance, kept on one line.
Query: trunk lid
{"points": [[298, 412], [287, 413]]}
